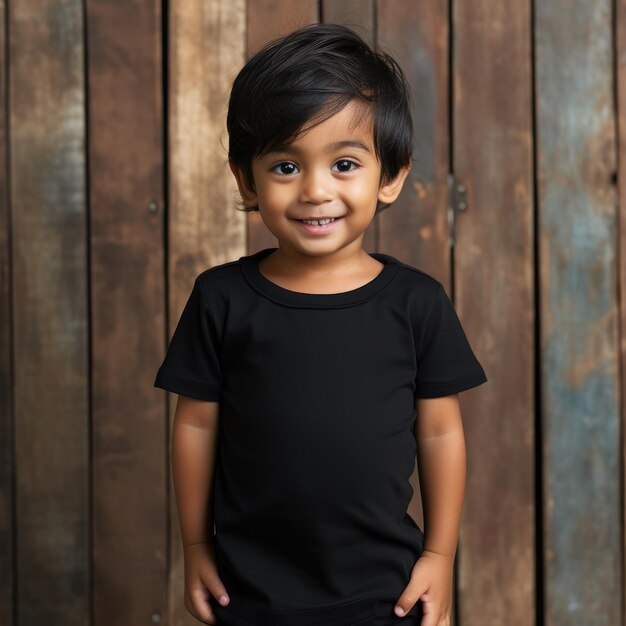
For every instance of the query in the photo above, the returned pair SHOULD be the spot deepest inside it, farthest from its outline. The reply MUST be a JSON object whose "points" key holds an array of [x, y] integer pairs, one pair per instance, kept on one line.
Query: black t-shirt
{"points": [[316, 432]]}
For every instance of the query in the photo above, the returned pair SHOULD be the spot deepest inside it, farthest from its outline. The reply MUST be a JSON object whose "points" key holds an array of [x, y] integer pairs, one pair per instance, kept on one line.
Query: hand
{"points": [[202, 581], [431, 582]]}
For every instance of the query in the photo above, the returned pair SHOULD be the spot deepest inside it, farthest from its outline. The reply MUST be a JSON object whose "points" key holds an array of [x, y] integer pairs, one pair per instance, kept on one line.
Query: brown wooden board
{"points": [[414, 228], [206, 50], [578, 280], [50, 312], [267, 20], [357, 15], [7, 527], [88, 523], [493, 274], [126, 151]]}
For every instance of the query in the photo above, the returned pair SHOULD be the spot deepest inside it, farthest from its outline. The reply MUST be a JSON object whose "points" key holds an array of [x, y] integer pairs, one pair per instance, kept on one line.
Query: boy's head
{"points": [[299, 81]]}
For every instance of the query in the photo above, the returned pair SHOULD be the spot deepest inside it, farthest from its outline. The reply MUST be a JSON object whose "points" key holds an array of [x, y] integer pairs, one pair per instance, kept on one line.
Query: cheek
{"points": [[276, 195], [362, 194]]}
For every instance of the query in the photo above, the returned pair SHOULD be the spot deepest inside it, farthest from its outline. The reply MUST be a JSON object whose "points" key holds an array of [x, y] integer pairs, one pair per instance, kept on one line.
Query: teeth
{"points": [[318, 222]]}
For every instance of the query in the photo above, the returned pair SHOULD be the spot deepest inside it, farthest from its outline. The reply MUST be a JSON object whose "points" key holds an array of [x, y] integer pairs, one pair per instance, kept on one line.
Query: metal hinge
{"points": [[457, 201]]}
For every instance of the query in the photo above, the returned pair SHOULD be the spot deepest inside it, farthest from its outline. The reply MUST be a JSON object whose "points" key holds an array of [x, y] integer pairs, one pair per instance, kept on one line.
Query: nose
{"points": [[315, 187]]}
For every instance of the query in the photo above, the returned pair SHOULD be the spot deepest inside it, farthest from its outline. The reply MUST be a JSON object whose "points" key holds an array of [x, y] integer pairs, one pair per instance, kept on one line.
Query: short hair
{"points": [[311, 74]]}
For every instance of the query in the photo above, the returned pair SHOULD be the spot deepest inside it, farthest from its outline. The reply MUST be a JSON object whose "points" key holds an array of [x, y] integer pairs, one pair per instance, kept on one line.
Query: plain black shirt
{"points": [[316, 432]]}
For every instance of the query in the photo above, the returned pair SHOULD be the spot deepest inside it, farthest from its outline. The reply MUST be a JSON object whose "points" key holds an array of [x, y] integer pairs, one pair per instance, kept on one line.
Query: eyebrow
{"points": [[337, 145]]}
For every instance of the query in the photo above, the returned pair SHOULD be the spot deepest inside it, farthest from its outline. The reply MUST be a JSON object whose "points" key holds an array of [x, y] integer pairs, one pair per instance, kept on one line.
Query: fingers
{"points": [[198, 599], [431, 615], [406, 602], [435, 612], [197, 603]]}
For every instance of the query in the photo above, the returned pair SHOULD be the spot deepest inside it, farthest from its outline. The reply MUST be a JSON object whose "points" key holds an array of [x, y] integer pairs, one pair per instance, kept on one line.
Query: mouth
{"points": [[319, 225], [319, 221]]}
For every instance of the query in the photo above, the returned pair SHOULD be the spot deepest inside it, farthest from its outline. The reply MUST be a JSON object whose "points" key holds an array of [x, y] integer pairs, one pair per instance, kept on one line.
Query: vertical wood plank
{"points": [[578, 284], [126, 232], [7, 529], [493, 293], [620, 182], [267, 20], [206, 50], [414, 227], [50, 311], [357, 15]]}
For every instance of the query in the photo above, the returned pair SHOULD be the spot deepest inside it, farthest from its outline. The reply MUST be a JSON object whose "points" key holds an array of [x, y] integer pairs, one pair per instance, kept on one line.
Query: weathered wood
{"points": [[7, 464], [357, 15], [620, 182], [578, 306], [414, 227], [493, 294], [126, 157], [267, 20], [207, 49], [50, 311], [49, 299]]}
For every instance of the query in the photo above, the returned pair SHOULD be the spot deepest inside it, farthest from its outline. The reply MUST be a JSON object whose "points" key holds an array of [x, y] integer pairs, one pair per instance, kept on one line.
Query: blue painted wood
{"points": [[578, 300]]}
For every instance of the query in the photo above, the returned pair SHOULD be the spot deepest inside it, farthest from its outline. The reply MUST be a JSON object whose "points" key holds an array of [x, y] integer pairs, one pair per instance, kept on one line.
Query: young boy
{"points": [[311, 374]]}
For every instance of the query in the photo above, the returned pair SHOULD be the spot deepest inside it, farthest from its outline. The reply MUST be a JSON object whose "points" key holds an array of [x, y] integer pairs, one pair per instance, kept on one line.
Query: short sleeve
{"points": [[446, 363], [192, 365]]}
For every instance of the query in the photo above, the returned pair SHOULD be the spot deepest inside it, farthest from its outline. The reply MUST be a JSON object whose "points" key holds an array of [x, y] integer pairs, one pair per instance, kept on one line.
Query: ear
{"points": [[248, 197], [388, 192]]}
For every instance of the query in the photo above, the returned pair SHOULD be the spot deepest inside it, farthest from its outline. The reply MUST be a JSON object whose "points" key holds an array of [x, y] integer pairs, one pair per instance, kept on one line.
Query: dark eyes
{"points": [[289, 168]]}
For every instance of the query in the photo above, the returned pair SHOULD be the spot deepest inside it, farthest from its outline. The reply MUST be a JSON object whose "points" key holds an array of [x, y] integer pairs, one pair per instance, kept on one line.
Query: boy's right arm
{"points": [[194, 443]]}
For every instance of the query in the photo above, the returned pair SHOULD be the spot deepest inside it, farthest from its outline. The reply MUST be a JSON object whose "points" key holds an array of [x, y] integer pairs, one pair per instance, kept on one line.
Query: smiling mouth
{"points": [[319, 221]]}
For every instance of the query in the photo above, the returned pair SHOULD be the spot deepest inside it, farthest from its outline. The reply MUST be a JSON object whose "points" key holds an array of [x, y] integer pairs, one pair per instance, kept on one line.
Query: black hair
{"points": [[311, 74]]}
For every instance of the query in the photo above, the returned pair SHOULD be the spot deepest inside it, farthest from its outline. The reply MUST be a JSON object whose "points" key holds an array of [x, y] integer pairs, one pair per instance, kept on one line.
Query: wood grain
{"points": [[493, 261], [206, 50], [115, 193], [50, 310], [126, 157], [577, 295], [7, 424], [620, 183], [414, 228]]}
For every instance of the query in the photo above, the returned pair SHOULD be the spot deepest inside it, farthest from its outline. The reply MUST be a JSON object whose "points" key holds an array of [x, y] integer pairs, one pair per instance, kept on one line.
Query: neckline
{"points": [[250, 268]]}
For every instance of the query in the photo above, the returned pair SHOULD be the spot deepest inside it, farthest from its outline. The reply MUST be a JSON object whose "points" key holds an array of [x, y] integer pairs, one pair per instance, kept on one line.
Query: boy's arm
{"points": [[441, 459], [441, 465], [193, 447]]}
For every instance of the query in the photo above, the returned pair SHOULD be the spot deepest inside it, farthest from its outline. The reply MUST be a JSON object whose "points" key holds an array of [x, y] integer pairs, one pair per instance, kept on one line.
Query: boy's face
{"points": [[312, 178]]}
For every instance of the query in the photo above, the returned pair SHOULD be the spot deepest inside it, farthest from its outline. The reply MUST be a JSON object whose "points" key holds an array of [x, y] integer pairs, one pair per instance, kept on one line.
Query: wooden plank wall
{"points": [[126, 155], [115, 193], [7, 461], [492, 277], [206, 49], [49, 369], [577, 221]]}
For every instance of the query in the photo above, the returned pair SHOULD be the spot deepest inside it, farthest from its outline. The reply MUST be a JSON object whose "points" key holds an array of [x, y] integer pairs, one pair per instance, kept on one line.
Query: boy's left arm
{"points": [[441, 462]]}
